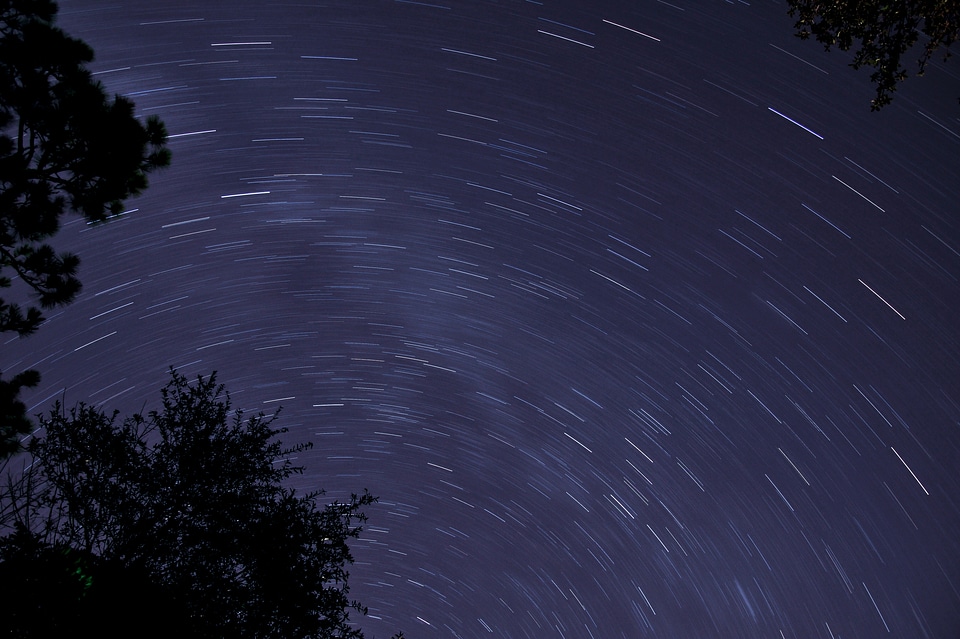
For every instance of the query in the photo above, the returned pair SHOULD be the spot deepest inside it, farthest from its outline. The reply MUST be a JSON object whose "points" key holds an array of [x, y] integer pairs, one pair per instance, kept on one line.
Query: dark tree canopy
{"points": [[883, 33], [65, 147], [48, 592], [188, 508]]}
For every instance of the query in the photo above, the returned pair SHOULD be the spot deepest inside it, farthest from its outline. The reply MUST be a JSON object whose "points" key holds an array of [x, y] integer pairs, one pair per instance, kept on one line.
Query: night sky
{"points": [[637, 319]]}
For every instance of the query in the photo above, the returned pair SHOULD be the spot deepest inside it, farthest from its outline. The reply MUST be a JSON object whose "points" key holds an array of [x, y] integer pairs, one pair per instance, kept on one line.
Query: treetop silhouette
{"points": [[65, 147]]}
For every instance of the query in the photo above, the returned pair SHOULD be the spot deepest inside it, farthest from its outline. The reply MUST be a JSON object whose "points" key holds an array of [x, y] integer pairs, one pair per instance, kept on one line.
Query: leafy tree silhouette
{"points": [[50, 591], [884, 30], [65, 147], [186, 506]]}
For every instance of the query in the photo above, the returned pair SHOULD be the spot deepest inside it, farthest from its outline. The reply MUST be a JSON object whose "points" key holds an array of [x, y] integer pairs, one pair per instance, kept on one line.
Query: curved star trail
{"points": [[636, 318]]}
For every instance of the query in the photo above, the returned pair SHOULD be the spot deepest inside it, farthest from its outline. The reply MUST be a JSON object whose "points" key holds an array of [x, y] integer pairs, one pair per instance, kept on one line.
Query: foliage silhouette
{"points": [[65, 147], [49, 591], [190, 503], [884, 31]]}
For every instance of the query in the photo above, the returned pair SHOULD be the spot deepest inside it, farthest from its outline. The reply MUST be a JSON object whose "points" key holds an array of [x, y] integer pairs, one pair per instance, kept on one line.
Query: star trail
{"points": [[637, 319]]}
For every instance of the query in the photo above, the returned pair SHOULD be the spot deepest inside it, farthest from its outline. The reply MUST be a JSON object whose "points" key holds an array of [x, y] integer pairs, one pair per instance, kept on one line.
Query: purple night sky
{"points": [[637, 319]]}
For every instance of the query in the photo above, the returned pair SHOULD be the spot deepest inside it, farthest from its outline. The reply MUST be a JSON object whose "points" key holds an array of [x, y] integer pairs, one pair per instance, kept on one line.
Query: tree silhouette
{"points": [[883, 32], [51, 591], [188, 503], [65, 147]]}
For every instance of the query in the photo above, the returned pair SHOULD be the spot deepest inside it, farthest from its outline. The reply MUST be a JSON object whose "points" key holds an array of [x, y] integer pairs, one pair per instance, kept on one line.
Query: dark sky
{"points": [[636, 318]]}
